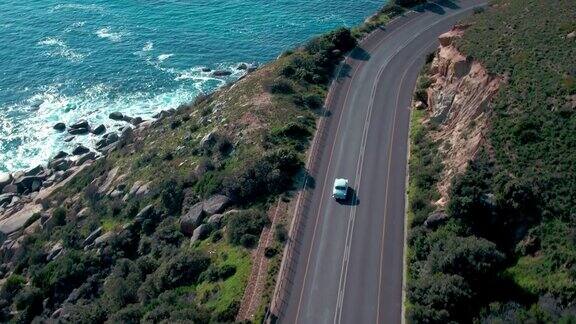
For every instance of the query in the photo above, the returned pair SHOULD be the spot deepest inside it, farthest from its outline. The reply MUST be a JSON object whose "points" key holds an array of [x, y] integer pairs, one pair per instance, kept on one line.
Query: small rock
{"points": [[572, 35], [83, 213], [242, 66], [69, 139], [207, 140], [116, 116], [79, 131], [90, 239], [205, 69], [144, 214], [11, 188], [6, 198], [60, 127], [435, 219], [80, 149], [54, 252], [215, 220], [198, 233], [419, 105], [116, 194], [136, 121], [221, 73], [99, 130]]}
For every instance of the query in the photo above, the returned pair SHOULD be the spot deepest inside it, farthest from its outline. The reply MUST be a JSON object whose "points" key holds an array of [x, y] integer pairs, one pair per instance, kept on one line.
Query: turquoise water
{"points": [[63, 61]]}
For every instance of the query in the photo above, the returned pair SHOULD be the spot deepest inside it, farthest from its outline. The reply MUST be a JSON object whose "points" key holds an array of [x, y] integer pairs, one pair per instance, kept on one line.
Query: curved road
{"points": [[349, 263]]}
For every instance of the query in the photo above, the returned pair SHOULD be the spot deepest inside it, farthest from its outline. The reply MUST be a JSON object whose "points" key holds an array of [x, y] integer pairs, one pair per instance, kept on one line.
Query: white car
{"points": [[340, 190]]}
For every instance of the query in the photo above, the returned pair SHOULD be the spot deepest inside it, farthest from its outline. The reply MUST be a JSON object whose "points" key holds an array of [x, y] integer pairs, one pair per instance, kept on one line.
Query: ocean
{"points": [[61, 61]]}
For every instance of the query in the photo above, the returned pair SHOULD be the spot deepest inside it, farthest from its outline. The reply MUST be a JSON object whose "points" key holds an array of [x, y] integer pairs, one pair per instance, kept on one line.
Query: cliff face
{"points": [[459, 104]]}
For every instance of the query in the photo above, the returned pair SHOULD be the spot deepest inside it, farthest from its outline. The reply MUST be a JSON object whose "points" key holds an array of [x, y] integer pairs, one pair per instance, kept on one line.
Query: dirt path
{"points": [[253, 293]]}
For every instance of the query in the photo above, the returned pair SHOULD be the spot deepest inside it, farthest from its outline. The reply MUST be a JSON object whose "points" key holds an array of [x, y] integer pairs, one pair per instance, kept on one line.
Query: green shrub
{"points": [[281, 86], [182, 269], [244, 227], [280, 233], [59, 215], [171, 196]]}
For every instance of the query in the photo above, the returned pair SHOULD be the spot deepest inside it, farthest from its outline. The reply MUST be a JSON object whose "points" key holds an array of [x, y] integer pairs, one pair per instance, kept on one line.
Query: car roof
{"points": [[340, 182]]}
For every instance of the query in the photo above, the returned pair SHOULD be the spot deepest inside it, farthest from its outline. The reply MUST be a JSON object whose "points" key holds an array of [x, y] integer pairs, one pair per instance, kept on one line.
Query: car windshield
{"points": [[340, 187]]}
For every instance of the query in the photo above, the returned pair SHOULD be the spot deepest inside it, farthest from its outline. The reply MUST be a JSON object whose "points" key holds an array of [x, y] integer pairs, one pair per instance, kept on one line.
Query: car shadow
{"points": [[351, 199]]}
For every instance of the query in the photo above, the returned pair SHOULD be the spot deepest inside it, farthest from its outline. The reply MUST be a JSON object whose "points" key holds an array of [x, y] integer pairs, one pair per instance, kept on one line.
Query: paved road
{"points": [[349, 263]]}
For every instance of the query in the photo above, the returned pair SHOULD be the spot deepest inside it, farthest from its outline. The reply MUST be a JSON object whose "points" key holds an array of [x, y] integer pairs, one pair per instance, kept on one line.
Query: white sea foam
{"points": [[164, 57], [77, 6], [148, 47], [26, 134], [59, 48], [107, 33]]}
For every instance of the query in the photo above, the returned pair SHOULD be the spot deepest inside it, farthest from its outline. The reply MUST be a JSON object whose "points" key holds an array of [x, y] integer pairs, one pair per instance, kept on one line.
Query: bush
{"points": [[244, 227], [270, 174], [281, 233], [270, 252], [282, 86], [248, 240], [171, 196], [131, 314], [183, 269], [59, 215]]}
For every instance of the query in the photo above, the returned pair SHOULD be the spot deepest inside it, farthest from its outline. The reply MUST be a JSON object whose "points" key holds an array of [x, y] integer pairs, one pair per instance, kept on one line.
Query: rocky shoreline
{"points": [[22, 189]]}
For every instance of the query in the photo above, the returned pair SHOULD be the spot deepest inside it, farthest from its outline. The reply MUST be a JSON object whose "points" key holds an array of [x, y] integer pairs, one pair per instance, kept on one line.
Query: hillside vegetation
{"points": [[507, 252], [114, 243]]}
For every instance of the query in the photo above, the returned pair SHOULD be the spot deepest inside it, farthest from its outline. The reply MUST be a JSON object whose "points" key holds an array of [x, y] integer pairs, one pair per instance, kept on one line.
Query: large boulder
{"points": [[216, 204], [435, 219], [61, 164], [193, 218], [215, 220], [90, 156], [80, 149], [198, 233], [80, 124], [11, 188], [92, 236], [116, 116], [60, 127], [104, 238], [54, 252], [17, 221], [99, 130], [31, 183], [6, 198], [221, 73], [81, 127], [5, 179], [34, 171], [60, 155], [145, 213]]}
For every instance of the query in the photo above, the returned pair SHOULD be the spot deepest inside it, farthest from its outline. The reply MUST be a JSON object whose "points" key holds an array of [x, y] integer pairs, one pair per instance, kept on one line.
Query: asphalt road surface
{"points": [[349, 266]]}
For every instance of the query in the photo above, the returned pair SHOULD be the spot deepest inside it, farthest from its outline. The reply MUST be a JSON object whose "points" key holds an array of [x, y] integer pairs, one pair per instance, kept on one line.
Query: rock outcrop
{"points": [[459, 102]]}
